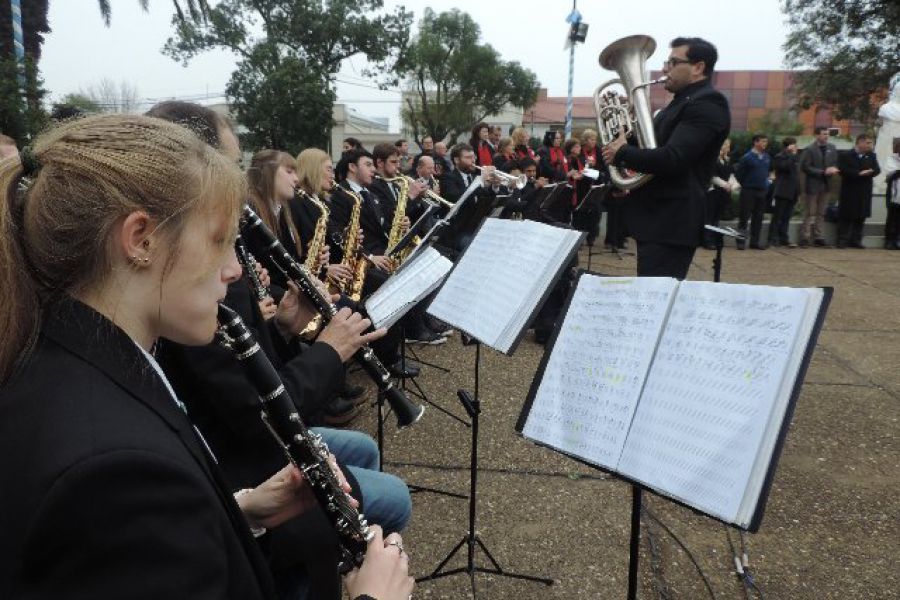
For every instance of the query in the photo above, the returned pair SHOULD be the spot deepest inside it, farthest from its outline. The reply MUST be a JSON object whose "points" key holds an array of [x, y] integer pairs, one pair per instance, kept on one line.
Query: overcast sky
{"points": [[80, 51]]}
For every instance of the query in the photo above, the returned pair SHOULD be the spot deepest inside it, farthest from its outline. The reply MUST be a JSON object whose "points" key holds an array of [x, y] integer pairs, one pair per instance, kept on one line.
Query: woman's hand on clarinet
{"points": [[346, 333], [263, 275], [342, 479], [268, 308], [385, 570], [282, 496], [294, 312]]}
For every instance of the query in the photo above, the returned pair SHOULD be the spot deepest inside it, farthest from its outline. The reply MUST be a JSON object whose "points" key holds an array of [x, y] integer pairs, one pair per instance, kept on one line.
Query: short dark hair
{"points": [[863, 136], [699, 49], [459, 149], [757, 137], [525, 163], [350, 157], [354, 143], [571, 143], [788, 141], [400, 142], [383, 152], [203, 121], [819, 129]]}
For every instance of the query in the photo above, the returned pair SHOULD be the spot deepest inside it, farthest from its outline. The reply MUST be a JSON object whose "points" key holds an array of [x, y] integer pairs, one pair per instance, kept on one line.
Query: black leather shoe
{"points": [[340, 412], [410, 369], [426, 337], [820, 243], [352, 392]]}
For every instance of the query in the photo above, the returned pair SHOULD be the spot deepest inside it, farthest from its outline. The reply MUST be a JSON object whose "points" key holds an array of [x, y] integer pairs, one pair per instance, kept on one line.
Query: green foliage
{"points": [[283, 88], [197, 9], [774, 123], [455, 80], [81, 102], [21, 119], [846, 50]]}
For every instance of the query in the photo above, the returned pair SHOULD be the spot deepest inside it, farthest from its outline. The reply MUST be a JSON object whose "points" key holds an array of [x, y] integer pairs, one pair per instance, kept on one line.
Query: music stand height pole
{"points": [[717, 261], [635, 546]]}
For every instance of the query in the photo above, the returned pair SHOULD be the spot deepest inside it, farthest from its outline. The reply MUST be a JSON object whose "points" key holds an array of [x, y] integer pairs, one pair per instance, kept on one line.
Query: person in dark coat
{"points": [[818, 162], [786, 190], [892, 199], [666, 215], [858, 167]]}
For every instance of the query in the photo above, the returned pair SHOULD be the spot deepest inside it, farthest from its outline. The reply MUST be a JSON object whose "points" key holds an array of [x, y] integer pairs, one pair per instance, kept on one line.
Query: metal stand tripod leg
{"points": [[472, 540]]}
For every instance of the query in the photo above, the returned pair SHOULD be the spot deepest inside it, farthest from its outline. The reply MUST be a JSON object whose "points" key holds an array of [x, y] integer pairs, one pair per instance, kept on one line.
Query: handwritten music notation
{"points": [[594, 376], [709, 394], [500, 279]]}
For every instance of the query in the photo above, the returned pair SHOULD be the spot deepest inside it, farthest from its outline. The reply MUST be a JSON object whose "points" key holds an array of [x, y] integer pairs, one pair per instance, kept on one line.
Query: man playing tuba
{"points": [[666, 215]]}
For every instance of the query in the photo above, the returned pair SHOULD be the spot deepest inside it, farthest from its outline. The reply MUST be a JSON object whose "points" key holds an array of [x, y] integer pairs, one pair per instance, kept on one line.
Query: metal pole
{"points": [[571, 79], [18, 40]]}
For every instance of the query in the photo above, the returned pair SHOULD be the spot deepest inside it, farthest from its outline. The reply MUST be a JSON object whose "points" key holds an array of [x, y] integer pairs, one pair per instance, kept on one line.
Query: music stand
{"points": [[722, 232], [472, 404], [595, 196]]}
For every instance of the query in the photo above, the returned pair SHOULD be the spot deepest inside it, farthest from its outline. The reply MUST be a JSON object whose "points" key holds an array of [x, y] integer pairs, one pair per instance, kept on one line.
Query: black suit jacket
{"points": [[689, 133], [107, 491], [856, 189], [457, 235], [372, 219]]}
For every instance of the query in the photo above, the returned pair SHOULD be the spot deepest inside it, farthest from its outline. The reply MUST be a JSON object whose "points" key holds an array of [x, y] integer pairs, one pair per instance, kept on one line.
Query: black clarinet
{"points": [[246, 259], [272, 252], [303, 448]]}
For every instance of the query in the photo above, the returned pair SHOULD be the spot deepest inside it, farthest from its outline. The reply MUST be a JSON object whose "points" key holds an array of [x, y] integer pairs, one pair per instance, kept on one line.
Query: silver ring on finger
{"points": [[399, 546]]}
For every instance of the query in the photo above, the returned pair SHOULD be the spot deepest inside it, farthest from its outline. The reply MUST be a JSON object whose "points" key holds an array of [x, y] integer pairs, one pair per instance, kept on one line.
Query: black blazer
{"points": [[372, 219], [856, 189], [459, 232], [107, 491], [689, 133]]}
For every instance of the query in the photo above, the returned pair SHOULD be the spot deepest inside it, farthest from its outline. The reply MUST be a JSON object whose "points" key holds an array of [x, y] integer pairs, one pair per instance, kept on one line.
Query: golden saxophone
{"points": [[318, 238], [353, 256], [396, 233]]}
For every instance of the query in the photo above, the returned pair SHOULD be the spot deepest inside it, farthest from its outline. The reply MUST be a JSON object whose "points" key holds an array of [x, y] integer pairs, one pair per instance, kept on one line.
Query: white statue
{"points": [[890, 110]]}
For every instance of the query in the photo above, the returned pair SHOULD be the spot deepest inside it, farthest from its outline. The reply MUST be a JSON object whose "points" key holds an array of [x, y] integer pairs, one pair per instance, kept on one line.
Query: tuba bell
{"points": [[630, 115]]}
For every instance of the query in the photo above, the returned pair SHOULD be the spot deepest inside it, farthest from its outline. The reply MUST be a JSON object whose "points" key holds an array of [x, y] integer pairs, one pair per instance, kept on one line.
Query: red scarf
{"points": [[485, 159], [558, 158]]}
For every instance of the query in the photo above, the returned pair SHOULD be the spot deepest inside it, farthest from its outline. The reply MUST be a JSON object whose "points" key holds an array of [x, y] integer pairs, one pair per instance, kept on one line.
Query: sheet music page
{"points": [[496, 284], [402, 290], [593, 379], [710, 392]]}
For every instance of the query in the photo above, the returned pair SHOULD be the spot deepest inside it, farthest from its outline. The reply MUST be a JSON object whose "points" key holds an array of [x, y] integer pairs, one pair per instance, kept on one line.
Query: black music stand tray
{"points": [[721, 233], [472, 404]]}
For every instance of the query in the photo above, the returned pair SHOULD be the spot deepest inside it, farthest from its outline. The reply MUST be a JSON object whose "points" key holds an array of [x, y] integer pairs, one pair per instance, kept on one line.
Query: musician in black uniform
{"points": [[454, 184], [666, 215], [356, 171], [303, 552], [108, 491]]}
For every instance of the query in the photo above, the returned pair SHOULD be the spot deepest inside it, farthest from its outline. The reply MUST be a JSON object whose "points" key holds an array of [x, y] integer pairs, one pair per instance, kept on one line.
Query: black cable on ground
{"points": [[690, 554]]}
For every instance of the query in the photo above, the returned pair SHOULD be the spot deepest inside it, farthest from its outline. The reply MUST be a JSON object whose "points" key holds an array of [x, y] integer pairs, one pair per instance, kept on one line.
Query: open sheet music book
{"points": [[684, 387], [503, 278], [418, 277]]}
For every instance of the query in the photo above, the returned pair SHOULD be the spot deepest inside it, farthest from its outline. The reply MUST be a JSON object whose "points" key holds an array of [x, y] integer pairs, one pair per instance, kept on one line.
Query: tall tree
{"points": [[283, 88], [197, 9], [22, 116], [455, 81], [846, 51]]}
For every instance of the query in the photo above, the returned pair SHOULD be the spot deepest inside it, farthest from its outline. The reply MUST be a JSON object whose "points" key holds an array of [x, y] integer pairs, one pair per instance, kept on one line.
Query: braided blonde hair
{"points": [[91, 173]]}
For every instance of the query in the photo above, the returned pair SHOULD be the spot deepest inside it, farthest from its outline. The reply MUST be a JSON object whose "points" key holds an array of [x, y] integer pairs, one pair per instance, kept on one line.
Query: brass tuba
{"points": [[630, 115]]}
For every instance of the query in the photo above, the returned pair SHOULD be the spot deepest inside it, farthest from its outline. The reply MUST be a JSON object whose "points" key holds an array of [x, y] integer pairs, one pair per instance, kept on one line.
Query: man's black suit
{"points": [[856, 194], [666, 215], [459, 234], [107, 490], [372, 219]]}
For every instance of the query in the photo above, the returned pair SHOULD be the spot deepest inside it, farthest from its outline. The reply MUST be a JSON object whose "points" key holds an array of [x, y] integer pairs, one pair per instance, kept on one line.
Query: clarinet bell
{"points": [[407, 412]]}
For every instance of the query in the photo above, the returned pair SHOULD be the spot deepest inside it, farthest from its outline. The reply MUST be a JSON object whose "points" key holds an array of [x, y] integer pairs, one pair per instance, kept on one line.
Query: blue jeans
{"points": [[386, 500]]}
